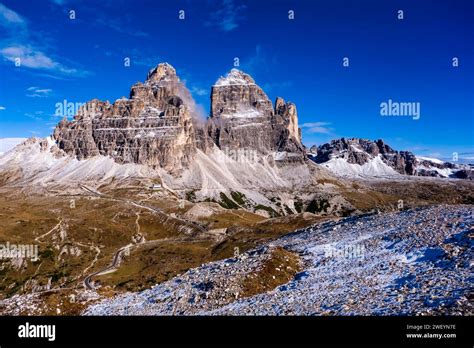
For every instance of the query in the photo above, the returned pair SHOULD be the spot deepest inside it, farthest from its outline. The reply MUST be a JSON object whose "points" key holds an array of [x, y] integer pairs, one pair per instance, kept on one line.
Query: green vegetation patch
{"points": [[316, 206], [238, 197], [272, 212], [226, 202]]}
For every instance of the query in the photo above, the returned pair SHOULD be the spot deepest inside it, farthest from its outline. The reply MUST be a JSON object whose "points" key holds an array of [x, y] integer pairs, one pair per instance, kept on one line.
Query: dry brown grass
{"points": [[278, 269]]}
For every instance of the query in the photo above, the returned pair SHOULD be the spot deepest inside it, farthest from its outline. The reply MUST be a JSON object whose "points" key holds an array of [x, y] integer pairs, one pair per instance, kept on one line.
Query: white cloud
{"points": [[18, 43], [9, 17], [317, 127], [36, 59], [36, 92], [2, 108]]}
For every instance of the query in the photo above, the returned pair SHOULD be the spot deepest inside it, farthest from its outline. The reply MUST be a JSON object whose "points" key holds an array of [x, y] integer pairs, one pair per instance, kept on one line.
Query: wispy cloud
{"points": [[254, 61], [35, 59], [195, 90], [18, 46], [10, 17], [258, 61], [317, 127], [36, 92], [37, 115], [2, 108], [227, 17]]}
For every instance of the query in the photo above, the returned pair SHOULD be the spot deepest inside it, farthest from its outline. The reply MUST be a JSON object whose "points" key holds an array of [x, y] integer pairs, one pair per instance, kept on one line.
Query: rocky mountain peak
{"points": [[242, 116], [371, 154], [362, 151], [153, 127], [162, 72], [235, 77], [158, 125], [287, 110]]}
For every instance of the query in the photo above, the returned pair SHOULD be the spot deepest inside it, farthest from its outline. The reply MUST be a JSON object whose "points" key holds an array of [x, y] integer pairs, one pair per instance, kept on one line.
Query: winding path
{"points": [[117, 255]]}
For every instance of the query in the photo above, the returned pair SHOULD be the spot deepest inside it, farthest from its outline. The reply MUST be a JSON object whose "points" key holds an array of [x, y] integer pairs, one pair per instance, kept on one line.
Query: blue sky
{"points": [[301, 60]]}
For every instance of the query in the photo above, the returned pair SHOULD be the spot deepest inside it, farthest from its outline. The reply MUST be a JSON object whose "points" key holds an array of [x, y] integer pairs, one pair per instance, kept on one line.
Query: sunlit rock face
{"points": [[242, 116], [158, 125], [154, 126]]}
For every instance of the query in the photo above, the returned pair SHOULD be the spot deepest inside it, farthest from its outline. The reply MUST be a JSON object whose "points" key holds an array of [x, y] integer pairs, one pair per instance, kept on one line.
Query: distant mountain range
{"points": [[361, 157]]}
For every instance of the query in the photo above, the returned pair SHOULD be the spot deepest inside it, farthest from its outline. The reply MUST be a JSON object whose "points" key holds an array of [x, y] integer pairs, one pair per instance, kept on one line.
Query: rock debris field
{"points": [[413, 262]]}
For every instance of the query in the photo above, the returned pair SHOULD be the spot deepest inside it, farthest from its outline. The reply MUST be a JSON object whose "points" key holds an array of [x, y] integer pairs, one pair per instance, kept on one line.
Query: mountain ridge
{"points": [[247, 145], [358, 156]]}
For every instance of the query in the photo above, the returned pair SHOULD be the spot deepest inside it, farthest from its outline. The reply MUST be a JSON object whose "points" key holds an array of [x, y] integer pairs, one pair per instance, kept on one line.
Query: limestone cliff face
{"points": [[242, 116], [154, 126], [289, 136], [157, 125], [290, 117]]}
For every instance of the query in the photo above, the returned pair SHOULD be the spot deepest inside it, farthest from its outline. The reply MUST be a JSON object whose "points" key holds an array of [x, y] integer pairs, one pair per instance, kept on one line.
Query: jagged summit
{"points": [[235, 77], [153, 127], [242, 116], [162, 72]]}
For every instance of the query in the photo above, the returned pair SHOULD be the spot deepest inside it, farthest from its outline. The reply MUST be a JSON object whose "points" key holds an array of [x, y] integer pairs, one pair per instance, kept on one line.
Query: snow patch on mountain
{"points": [[41, 162], [235, 77], [244, 113], [215, 171], [430, 159], [37, 163], [374, 167], [362, 157], [443, 172]]}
